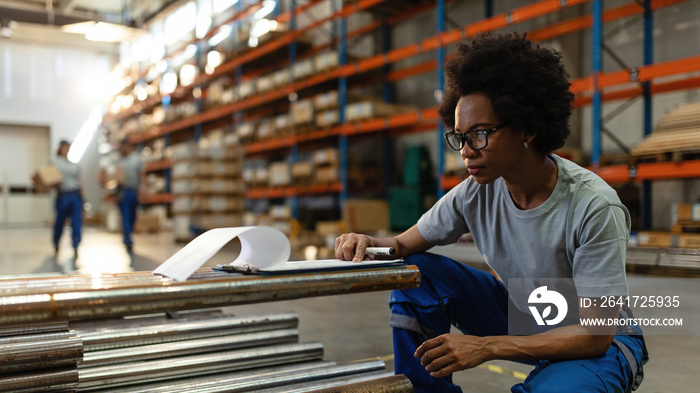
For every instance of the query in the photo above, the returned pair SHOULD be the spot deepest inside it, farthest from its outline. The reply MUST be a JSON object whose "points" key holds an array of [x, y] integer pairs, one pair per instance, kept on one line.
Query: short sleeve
{"points": [[444, 223], [599, 260]]}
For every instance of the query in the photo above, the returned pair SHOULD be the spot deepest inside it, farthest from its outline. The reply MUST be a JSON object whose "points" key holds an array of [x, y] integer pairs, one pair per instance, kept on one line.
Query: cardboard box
{"points": [[46, 178], [681, 212], [303, 112], [303, 69], [327, 118], [326, 174], [369, 109], [281, 211], [329, 228], [326, 100], [147, 223], [326, 61], [279, 174], [111, 177], [210, 221], [328, 156], [655, 239], [366, 215], [281, 78], [218, 204], [689, 240], [302, 170]]}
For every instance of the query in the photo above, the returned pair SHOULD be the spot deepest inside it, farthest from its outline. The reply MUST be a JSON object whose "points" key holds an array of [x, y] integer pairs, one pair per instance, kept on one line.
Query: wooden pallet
{"points": [[678, 134]]}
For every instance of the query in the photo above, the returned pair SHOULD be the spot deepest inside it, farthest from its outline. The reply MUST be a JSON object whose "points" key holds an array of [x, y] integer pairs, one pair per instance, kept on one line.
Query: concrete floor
{"points": [[351, 327]]}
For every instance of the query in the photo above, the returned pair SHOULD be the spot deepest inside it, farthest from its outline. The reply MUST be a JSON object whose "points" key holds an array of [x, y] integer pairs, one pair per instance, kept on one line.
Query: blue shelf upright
{"points": [[440, 14], [646, 88], [596, 69], [342, 102]]}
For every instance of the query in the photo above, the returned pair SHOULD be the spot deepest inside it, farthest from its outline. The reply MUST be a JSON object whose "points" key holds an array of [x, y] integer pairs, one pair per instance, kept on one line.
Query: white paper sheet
{"points": [[263, 249], [261, 246]]}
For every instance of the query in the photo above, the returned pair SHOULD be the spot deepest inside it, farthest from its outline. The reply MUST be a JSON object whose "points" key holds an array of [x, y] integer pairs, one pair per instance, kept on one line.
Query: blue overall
{"points": [[128, 202], [68, 204], [477, 304]]}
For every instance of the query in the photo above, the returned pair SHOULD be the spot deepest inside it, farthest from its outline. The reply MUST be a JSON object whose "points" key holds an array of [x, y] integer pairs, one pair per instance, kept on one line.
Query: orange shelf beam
{"points": [[285, 192], [650, 171], [158, 165], [656, 88], [586, 22], [448, 182], [153, 199]]}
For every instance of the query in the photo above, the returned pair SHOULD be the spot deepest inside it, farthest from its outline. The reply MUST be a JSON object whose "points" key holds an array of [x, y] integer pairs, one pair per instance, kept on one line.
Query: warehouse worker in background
{"points": [[128, 191], [534, 216], [69, 201]]}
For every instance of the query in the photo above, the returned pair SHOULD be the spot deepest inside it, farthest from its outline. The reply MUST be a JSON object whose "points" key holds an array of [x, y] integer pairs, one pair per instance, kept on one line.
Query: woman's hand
{"points": [[352, 246], [449, 353]]}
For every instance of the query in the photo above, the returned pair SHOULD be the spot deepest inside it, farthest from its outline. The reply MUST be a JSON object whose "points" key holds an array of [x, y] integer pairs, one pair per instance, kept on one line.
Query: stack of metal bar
{"points": [[176, 351], [39, 358]]}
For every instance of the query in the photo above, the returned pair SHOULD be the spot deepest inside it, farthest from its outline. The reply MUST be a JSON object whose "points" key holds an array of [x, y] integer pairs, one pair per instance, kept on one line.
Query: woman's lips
{"points": [[474, 169]]}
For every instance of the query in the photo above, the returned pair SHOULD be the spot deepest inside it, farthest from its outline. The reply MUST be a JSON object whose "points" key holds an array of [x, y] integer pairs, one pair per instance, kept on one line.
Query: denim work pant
{"points": [[477, 304], [127, 206], [68, 204]]}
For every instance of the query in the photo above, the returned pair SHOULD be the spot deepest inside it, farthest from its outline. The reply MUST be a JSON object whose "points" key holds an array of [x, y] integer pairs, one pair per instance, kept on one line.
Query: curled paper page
{"points": [[261, 246]]}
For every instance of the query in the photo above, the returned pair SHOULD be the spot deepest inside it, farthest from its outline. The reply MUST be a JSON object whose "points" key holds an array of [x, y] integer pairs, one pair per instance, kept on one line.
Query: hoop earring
{"points": [[525, 145]]}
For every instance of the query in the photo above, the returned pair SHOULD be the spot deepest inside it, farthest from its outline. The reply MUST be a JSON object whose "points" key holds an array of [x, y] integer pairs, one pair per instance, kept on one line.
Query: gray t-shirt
{"points": [[132, 170], [70, 173], [580, 232]]}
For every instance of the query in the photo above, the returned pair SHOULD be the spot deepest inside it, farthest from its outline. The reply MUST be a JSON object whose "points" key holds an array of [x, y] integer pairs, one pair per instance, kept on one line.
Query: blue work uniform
{"points": [[476, 303], [69, 202], [128, 194]]}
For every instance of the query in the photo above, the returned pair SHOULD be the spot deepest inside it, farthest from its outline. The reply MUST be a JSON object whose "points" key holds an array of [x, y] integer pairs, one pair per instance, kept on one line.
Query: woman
{"points": [[69, 202], [535, 217]]}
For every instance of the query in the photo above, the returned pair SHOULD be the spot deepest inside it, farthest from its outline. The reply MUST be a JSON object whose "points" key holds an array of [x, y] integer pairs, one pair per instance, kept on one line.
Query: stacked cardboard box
{"points": [[207, 186], [326, 162]]}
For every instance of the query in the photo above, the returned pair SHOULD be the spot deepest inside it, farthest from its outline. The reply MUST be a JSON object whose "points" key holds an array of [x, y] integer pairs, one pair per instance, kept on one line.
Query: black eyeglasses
{"points": [[476, 139]]}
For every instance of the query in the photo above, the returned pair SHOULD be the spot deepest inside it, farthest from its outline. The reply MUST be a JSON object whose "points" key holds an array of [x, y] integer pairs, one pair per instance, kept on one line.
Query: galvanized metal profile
{"points": [[188, 347], [93, 378], [109, 338], [281, 377], [106, 296]]}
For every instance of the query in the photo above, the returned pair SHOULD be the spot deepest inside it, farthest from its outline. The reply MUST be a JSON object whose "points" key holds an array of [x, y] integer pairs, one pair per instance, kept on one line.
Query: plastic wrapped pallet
{"points": [[303, 69], [326, 61], [279, 174], [281, 78], [302, 112], [327, 118], [326, 100]]}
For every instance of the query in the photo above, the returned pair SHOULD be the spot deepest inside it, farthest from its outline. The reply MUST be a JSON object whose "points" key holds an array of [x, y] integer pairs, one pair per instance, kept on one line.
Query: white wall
{"points": [[56, 88]]}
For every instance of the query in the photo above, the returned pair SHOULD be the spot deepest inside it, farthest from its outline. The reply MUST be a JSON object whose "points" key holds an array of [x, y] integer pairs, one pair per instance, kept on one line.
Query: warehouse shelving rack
{"points": [[590, 90]]}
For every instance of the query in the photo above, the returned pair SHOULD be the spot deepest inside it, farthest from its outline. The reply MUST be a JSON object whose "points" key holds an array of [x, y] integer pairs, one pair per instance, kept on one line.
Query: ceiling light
{"points": [[224, 32], [267, 7], [78, 28]]}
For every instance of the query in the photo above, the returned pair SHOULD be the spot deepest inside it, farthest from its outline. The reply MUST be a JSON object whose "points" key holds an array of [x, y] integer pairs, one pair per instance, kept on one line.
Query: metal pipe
{"points": [[261, 379], [188, 347], [55, 380], [282, 380], [392, 384], [163, 294], [155, 334], [34, 329], [93, 378], [327, 383], [33, 353], [194, 383]]}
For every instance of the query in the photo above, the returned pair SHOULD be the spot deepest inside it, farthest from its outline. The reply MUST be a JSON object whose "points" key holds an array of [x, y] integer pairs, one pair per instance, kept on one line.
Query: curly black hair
{"points": [[526, 84]]}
